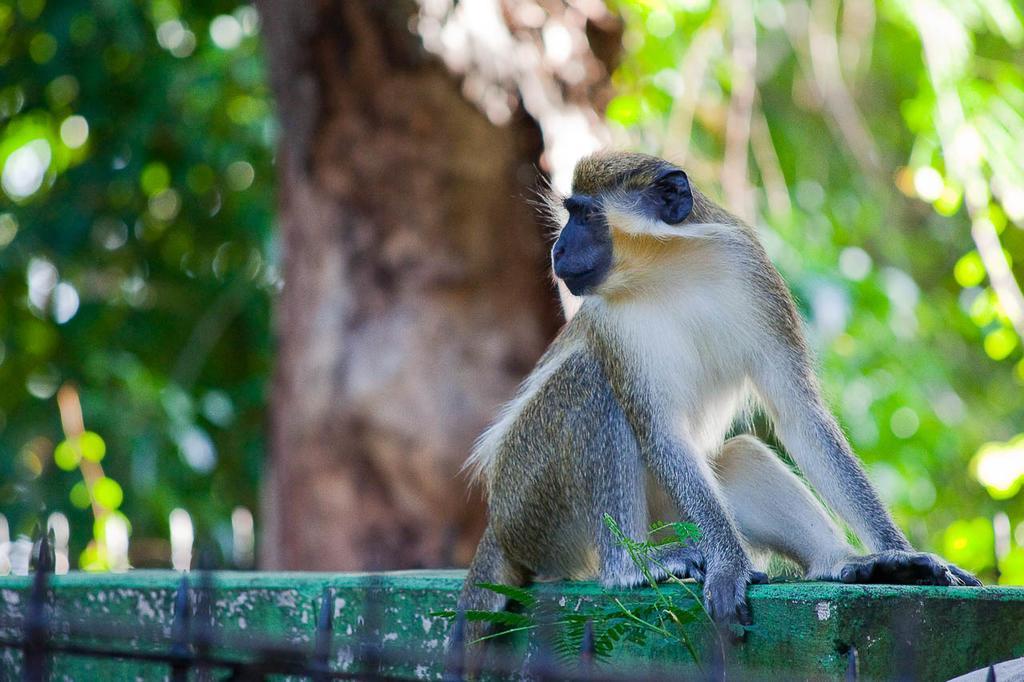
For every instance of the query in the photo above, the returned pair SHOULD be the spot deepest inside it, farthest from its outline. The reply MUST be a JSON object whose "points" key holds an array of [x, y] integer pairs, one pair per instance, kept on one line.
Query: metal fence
{"points": [[198, 649], [195, 648]]}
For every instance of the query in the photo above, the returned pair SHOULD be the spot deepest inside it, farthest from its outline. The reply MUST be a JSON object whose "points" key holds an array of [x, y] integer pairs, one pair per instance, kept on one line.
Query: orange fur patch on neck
{"points": [[638, 258]]}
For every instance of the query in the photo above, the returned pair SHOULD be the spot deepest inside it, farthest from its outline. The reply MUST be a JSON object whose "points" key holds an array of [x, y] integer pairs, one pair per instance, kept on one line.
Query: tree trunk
{"points": [[415, 293]]}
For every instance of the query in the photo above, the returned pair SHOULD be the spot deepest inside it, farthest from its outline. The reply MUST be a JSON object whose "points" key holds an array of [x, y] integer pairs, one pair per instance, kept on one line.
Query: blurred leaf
{"points": [[107, 493], [66, 456], [970, 544], [80, 495], [92, 446], [114, 153]]}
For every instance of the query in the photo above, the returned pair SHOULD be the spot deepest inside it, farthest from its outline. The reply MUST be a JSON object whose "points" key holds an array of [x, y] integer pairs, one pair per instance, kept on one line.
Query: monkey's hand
{"points": [[725, 591], [672, 561], [683, 562], [904, 568]]}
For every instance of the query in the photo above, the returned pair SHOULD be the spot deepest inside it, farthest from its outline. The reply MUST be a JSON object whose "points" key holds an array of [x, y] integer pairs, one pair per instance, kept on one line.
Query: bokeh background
{"points": [[265, 271]]}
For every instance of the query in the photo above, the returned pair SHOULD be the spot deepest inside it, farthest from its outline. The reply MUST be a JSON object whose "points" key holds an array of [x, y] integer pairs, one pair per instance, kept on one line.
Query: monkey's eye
{"points": [[672, 198]]}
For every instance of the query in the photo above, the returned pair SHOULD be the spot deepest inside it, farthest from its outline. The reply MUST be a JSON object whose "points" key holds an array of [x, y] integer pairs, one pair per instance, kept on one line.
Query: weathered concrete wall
{"points": [[801, 630]]}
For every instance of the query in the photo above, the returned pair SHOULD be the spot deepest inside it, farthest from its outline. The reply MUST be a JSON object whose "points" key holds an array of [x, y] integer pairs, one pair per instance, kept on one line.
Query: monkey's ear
{"points": [[673, 200]]}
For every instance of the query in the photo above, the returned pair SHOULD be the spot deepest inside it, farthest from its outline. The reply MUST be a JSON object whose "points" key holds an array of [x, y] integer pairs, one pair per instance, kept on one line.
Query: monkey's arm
{"points": [[817, 444], [811, 435], [813, 438], [689, 482]]}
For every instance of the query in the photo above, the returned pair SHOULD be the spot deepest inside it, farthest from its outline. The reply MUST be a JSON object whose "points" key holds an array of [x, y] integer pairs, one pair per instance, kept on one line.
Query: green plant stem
{"points": [[632, 616], [521, 628]]}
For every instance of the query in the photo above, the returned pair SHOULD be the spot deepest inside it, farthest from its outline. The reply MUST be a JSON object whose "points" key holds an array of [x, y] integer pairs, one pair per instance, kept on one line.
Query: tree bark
{"points": [[416, 288], [414, 296]]}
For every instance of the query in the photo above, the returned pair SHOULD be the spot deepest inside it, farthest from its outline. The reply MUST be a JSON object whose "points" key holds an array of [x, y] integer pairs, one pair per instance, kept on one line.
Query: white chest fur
{"points": [[694, 342]]}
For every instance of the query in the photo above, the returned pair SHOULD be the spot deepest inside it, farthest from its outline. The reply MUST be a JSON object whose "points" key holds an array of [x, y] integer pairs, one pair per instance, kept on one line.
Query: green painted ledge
{"points": [[800, 629]]}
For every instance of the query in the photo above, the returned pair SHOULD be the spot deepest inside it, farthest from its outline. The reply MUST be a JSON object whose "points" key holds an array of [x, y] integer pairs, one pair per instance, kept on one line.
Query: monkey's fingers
{"points": [[942, 573], [928, 570], [884, 567], [908, 568], [856, 572], [726, 601], [686, 562], [759, 578], [695, 572], [732, 625], [901, 568], [965, 577], [743, 614]]}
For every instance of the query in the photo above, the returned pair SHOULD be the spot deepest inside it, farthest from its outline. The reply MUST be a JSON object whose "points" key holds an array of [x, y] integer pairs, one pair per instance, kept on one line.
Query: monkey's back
{"points": [[565, 436]]}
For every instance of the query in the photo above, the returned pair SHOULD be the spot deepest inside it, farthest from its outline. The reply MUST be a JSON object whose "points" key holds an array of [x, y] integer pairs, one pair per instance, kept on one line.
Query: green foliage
{"points": [[677, 532], [881, 161], [136, 262], [665, 616], [70, 451], [137, 257], [515, 594]]}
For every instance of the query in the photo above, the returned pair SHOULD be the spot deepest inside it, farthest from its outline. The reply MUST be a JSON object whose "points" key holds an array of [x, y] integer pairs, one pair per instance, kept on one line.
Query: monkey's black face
{"points": [[582, 256]]}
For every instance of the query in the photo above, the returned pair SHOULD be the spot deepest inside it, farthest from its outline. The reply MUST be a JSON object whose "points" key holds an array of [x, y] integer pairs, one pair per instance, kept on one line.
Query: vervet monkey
{"points": [[684, 322]]}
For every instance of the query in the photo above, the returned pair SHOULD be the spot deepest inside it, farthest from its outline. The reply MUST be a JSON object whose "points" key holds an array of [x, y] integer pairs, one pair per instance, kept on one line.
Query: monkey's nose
{"points": [[559, 252]]}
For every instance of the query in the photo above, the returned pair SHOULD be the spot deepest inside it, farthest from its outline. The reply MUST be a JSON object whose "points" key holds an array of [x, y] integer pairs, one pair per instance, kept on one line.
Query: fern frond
{"points": [[517, 594], [504, 618]]}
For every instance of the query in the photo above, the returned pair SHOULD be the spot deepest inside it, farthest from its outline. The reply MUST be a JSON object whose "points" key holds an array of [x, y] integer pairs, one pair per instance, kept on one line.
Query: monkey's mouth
{"points": [[582, 283]]}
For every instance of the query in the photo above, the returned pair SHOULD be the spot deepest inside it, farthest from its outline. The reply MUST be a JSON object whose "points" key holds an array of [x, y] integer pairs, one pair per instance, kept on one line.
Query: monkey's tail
{"points": [[489, 566]]}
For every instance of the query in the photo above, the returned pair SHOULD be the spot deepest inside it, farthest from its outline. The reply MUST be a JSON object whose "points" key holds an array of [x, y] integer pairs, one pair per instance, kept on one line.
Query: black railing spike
{"points": [[182, 609], [991, 676], [587, 644], [455, 660], [207, 559], [852, 664], [203, 623], [46, 559], [324, 633], [370, 645], [904, 635], [36, 629], [716, 671], [180, 629], [543, 664]]}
